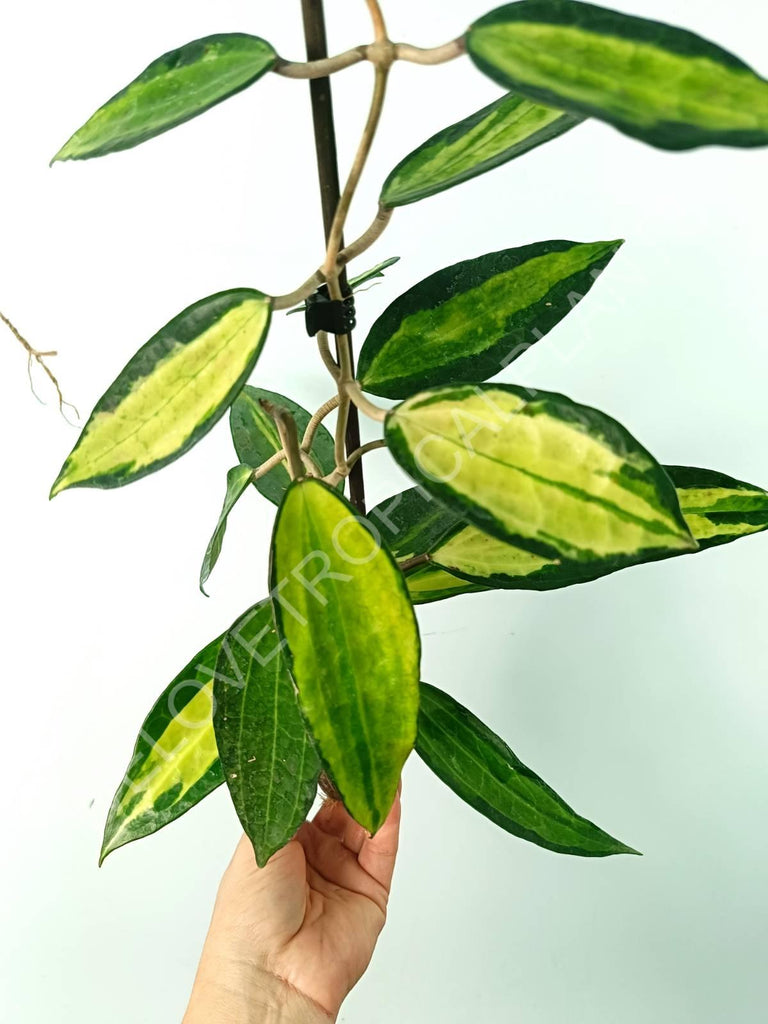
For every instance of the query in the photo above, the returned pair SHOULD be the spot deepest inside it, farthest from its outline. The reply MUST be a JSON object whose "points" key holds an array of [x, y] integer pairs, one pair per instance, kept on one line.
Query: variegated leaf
{"points": [[413, 524], [718, 508], [174, 88], [460, 558], [175, 762], [469, 321], [658, 83], [256, 439], [352, 644], [172, 391], [480, 768], [493, 136], [269, 762], [560, 480], [238, 479], [428, 583]]}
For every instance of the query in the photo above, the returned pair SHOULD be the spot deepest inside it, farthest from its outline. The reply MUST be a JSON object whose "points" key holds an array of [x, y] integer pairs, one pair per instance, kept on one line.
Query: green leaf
{"points": [[374, 272], [256, 439], [535, 469], [356, 282], [429, 583], [352, 644], [467, 322], [175, 761], [480, 768], [269, 763], [493, 136], [717, 508], [174, 88], [171, 392], [237, 482], [660, 84], [412, 524], [463, 559]]}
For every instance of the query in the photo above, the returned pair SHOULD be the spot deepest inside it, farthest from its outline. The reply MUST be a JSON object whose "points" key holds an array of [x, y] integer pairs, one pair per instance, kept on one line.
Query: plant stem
{"points": [[320, 68], [379, 26], [335, 243], [330, 194], [374, 412], [340, 474], [325, 66], [437, 55], [317, 419], [265, 467], [350, 252], [289, 438], [412, 563]]}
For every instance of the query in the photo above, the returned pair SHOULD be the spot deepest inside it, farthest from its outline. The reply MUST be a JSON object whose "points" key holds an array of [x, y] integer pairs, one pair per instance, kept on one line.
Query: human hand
{"points": [[287, 942]]}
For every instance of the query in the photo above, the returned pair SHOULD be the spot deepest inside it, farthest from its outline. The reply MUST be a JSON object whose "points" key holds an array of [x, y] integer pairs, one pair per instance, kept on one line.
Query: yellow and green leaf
{"points": [[412, 524], [175, 761], [718, 508], [352, 643], [173, 89], [267, 756], [453, 557], [171, 392], [534, 469], [428, 583], [653, 81], [469, 321], [481, 769], [493, 136], [256, 439], [238, 479]]}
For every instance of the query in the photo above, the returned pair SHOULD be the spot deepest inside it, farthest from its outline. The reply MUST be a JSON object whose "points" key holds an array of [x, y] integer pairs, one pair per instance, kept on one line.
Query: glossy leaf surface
{"points": [[352, 644], [174, 88], [171, 393], [664, 85], [718, 508], [238, 479], [480, 768], [558, 479], [493, 136], [256, 439], [267, 756], [463, 559], [175, 762], [412, 524], [467, 322], [429, 583]]}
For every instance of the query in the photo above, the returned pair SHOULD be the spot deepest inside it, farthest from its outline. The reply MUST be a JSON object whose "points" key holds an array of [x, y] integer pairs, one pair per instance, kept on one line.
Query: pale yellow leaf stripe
{"points": [[630, 80], [478, 554], [164, 408], [539, 476], [440, 328], [180, 758]]}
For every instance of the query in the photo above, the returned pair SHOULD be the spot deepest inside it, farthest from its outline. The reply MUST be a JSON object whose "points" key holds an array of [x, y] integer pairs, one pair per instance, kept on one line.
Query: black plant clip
{"points": [[334, 316]]}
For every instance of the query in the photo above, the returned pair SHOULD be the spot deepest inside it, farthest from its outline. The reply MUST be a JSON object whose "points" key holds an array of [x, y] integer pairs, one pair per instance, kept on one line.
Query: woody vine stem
{"points": [[382, 54]]}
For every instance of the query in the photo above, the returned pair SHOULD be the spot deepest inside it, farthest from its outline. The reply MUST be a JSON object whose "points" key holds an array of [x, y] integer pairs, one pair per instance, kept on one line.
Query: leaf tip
{"points": [[106, 849], [59, 484], [61, 155], [631, 851]]}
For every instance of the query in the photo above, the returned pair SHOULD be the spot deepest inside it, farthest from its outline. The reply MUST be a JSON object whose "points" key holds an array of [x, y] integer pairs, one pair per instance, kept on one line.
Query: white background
{"points": [[641, 698]]}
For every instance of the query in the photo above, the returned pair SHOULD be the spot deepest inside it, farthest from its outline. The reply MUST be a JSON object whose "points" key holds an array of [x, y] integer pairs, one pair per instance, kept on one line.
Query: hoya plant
{"points": [[318, 684]]}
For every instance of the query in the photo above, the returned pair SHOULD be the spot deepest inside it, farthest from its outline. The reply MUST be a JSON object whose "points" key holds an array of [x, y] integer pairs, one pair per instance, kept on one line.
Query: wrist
{"points": [[242, 993]]}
